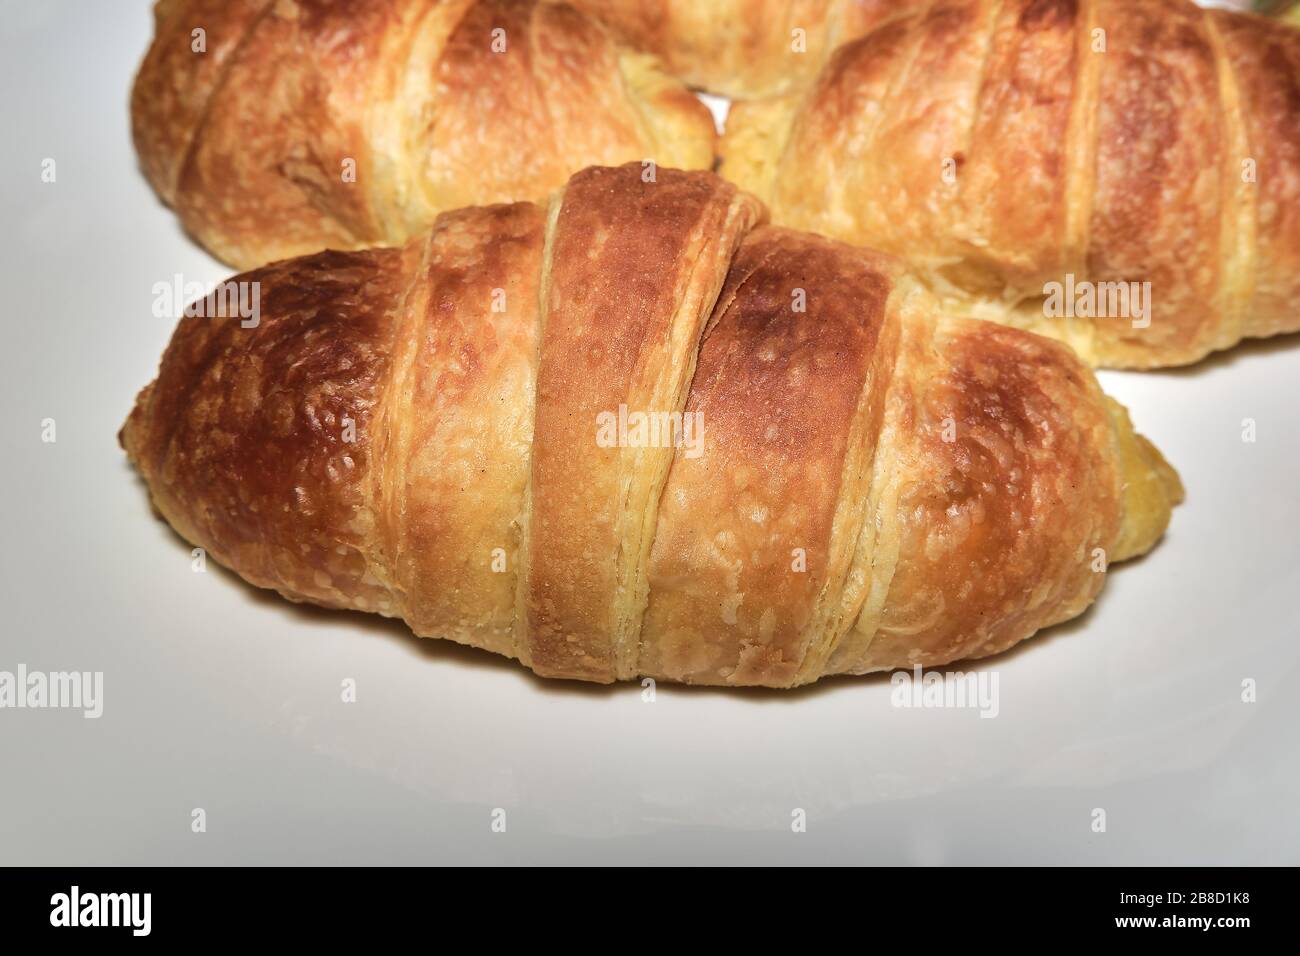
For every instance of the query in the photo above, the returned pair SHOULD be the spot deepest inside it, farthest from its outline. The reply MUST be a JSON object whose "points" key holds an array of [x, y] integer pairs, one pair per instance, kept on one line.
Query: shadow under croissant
{"points": [[463, 655]]}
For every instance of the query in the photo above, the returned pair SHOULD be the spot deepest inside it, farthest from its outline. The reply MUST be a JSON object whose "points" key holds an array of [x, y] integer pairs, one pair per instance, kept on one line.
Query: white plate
{"points": [[222, 698]]}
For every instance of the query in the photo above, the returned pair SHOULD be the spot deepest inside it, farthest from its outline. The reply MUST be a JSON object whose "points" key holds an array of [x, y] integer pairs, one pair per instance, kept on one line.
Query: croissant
{"points": [[281, 127], [743, 48], [637, 432], [1120, 175]]}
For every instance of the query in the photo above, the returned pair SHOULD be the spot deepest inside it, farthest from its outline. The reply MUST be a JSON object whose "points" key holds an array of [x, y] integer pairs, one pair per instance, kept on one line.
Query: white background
{"points": [[228, 699]]}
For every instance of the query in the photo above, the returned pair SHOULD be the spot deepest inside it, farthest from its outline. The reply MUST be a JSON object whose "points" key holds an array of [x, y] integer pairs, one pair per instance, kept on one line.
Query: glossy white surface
{"points": [[220, 697]]}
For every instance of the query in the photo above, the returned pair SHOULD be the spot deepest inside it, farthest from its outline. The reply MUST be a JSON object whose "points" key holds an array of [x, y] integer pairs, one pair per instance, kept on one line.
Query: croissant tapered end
{"points": [[258, 438], [1151, 488], [130, 435], [193, 41]]}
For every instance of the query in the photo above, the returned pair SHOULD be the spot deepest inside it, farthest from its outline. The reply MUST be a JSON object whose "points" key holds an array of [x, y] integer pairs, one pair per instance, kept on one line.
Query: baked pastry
{"points": [[1028, 156], [744, 48], [304, 124], [1122, 176], [641, 434]]}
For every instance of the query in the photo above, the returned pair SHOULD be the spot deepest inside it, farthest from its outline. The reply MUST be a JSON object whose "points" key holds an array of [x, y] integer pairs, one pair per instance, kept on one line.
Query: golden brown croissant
{"points": [[642, 434], [744, 48], [1039, 162], [278, 127]]}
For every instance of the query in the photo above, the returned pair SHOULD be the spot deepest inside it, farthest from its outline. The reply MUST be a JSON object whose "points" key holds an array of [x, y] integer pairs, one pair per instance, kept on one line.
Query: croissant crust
{"points": [[444, 432]]}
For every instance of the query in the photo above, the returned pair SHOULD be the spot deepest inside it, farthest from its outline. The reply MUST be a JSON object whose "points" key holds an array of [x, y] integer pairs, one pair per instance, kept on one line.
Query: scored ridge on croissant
{"points": [[425, 432]]}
